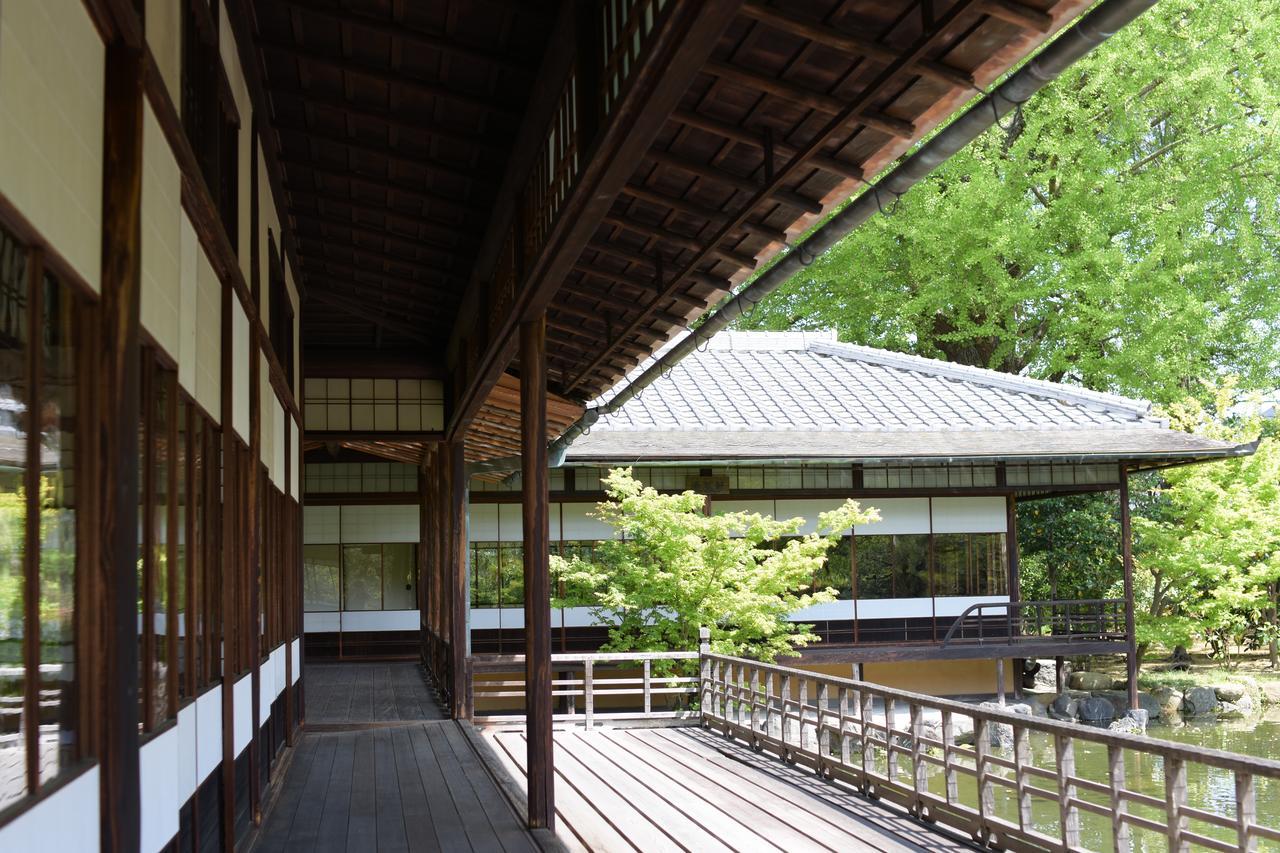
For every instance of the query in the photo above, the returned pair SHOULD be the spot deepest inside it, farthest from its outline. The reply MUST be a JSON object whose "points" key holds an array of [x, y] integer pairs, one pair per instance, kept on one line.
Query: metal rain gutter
{"points": [[1073, 43]]}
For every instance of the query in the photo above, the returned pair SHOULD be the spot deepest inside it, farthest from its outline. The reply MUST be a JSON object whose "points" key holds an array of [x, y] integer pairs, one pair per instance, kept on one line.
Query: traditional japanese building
{"points": [[237, 234], [787, 424]]}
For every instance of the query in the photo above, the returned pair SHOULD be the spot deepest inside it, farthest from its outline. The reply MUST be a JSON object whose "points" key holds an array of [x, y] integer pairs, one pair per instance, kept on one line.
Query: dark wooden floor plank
{"points": [[450, 834], [419, 831], [301, 825], [362, 821], [387, 796], [479, 832], [356, 692], [275, 832], [501, 817], [337, 801]]}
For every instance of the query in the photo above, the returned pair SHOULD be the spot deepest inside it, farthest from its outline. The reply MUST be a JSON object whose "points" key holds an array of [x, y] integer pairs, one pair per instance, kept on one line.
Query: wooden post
{"points": [[1126, 545], [116, 445], [458, 577], [1015, 583], [1119, 805], [537, 579], [1060, 673], [1000, 680]]}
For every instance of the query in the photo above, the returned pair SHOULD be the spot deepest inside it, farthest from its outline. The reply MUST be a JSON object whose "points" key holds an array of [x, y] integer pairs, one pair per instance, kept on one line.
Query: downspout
{"points": [[1089, 31]]}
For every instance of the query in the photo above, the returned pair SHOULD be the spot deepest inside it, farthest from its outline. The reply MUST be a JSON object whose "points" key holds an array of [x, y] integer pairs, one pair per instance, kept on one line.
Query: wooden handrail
{"points": [[842, 735], [592, 684], [1101, 616]]}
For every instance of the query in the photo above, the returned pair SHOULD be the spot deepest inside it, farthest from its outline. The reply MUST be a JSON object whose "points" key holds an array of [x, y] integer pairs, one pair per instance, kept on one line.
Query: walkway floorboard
{"points": [[379, 768], [688, 789]]}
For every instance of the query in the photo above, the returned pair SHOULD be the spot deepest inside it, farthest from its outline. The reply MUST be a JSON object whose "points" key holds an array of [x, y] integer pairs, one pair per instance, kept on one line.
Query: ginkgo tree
{"points": [[674, 568], [1208, 554]]}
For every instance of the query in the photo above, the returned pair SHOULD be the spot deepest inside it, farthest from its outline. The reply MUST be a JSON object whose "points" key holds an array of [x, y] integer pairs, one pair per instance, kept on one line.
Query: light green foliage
{"points": [[1123, 237], [677, 568], [1208, 556]]}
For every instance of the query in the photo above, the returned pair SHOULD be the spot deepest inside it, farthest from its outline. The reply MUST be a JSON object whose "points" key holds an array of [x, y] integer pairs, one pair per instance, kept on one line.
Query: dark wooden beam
{"points": [[395, 185], [672, 59], [326, 201], [814, 30], [337, 270], [755, 138], [373, 233], [454, 456], [537, 579], [365, 311], [389, 363], [666, 235], [373, 294], [348, 65], [399, 120], [116, 447], [736, 181], [441, 277], [1019, 15], [414, 38], [415, 159], [829, 104], [700, 211]]}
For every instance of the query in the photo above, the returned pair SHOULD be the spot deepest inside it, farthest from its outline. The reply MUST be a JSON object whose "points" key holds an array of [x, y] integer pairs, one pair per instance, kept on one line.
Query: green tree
{"points": [[1208, 558], [676, 569], [1121, 235]]}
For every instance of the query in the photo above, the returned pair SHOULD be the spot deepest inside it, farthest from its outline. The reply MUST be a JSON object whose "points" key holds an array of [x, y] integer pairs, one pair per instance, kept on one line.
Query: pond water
{"points": [[1207, 788]]}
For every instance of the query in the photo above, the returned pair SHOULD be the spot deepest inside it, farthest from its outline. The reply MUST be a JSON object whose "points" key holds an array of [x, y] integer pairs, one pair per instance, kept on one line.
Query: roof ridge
{"points": [[992, 378]]}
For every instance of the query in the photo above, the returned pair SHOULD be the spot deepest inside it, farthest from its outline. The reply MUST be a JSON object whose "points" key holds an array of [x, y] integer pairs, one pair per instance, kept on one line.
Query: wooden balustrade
{"points": [[1064, 619], [849, 731], [587, 677]]}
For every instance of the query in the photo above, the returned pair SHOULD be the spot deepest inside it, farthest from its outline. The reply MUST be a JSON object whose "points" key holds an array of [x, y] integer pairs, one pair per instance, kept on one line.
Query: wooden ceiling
{"points": [[394, 123], [800, 101]]}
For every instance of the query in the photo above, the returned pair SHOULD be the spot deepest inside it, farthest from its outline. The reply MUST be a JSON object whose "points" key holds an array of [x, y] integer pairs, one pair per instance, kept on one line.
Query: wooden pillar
{"points": [[424, 565], [457, 569], [1060, 673], [537, 581], [1000, 680], [1015, 581], [1126, 551], [116, 443]]}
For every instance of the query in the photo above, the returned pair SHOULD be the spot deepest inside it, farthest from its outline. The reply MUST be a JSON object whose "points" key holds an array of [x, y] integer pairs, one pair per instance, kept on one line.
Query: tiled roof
{"points": [[762, 393]]}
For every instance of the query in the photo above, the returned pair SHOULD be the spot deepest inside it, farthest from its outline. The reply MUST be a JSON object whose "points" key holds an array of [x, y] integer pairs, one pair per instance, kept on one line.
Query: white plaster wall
{"points": [[897, 515], [188, 738], [158, 777], [320, 525], [164, 37], [161, 238], [208, 324], [239, 369], [208, 732], [380, 620], [189, 253], [482, 523], [296, 651], [67, 820], [576, 523], [395, 523], [240, 94], [295, 443], [969, 515], [51, 125], [808, 509], [242, 730]]}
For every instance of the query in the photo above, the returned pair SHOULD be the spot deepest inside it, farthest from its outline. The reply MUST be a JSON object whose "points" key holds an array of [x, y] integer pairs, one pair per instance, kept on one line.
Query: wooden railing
{"points": [[588, 677], [1063, 619], [850, 731]]}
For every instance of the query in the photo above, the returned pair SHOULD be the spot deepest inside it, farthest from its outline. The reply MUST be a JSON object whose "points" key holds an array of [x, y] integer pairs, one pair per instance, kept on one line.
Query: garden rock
{"points": [[1001, 734], [1065, 708], [1132, 723], [1090, 681], [1096, 710], [1199, 701], [1045, 678], [1229, 692], [1169, 702]]}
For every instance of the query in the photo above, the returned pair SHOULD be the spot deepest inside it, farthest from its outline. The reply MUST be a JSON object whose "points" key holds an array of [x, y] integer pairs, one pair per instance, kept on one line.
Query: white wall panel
{"points": [[295, 468], [239, 369], [577, 523], [380, 620], [51, 85], [482, 522], [163, 21], [158, 775], [65, 820], [320, 525], [280, 656], [510, 523], [895, 608], [975, 514], [208, 320], [296, 651], [320, 623], [266, 689], [956, 605], [278, 423], [188, 736], [809, 510], [240, 94], [189, 253], [761, 506], [824, 611], [208, 732], [897, 515], [161, 237], [242, 729], [395, 523]]}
